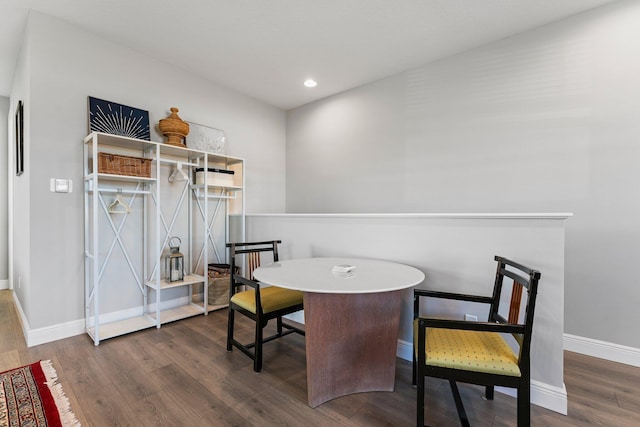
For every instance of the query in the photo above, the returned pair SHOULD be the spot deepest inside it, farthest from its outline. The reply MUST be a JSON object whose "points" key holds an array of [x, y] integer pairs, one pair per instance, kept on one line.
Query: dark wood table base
{"points": [[351, 342]]}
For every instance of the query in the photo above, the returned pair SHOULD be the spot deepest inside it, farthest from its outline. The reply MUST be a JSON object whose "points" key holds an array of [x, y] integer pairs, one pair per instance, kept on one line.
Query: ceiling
{"points": [[266, 49]]}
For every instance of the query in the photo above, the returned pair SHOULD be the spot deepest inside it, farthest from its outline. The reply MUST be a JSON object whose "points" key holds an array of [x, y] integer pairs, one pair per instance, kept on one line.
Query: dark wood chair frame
{"points": [[523, 278], [260, 318]]}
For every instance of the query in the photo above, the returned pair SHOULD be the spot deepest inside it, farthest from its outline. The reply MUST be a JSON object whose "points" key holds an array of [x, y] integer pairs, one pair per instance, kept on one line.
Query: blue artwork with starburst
{"points": [[118, 119]]}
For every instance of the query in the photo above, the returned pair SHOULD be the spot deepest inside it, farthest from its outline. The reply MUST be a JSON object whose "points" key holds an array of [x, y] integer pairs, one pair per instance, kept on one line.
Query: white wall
{"points": [[67, 64], [4, 172], [18, 191], [545, 121]]}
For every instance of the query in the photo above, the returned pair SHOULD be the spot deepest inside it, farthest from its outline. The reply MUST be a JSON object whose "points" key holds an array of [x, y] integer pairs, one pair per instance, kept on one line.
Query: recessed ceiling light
{"points": [[310, 83]]}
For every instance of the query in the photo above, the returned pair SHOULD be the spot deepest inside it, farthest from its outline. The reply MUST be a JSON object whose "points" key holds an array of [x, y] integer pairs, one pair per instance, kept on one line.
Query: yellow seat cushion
{"points": [[476, 351], [273, 298]]}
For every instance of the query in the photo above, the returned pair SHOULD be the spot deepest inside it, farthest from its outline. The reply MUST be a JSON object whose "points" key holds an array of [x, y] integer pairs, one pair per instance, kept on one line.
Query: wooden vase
{"points": [[174, 128]]}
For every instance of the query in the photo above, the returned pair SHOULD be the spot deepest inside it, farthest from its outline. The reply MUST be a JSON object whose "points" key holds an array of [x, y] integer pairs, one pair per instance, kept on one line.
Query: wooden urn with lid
{"points": [[174, 128]]}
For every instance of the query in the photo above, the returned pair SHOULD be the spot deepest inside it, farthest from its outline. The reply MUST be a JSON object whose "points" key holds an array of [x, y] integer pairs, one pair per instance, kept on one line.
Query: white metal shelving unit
{"points": [[124, 283]]}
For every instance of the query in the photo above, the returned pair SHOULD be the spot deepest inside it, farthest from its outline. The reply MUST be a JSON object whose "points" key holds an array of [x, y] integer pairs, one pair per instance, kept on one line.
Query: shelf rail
{"points": [[117, 239]]}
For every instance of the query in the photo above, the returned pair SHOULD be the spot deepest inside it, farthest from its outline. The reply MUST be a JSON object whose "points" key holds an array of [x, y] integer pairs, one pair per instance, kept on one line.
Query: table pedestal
{"points": [[351, 342]]}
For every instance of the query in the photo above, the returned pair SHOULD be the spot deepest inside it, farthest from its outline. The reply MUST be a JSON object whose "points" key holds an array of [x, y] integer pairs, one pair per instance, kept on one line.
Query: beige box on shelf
{"points": [[215, 177]]}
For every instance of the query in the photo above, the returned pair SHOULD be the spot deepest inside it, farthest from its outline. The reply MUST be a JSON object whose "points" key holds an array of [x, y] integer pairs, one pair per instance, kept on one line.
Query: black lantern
{"points": [[174, 262]]}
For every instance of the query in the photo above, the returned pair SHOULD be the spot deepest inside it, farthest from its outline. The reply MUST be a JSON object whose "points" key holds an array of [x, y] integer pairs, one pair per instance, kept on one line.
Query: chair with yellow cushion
{"points": [[258, 302], [479, 352]]}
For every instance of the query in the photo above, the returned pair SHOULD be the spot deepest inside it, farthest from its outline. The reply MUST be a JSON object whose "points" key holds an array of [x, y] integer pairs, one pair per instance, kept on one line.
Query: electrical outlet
{"points": [[470, 318]]}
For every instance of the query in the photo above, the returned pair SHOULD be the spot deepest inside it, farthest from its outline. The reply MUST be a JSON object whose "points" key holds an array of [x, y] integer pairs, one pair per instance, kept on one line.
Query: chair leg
{"points": [[524, 404], [230, 330], [257, 353], [488, 394], [414, 370], [464, 421], [420, 402], [279, 325]]}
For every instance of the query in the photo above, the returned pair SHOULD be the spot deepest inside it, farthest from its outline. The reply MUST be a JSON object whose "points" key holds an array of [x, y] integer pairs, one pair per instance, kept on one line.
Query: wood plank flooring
{"points": [[182, 375]]}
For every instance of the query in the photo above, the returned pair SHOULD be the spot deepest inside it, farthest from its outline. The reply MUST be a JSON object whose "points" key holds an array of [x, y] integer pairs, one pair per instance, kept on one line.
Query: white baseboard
{"points": [[298, 317], [542, 394], [47, 334], [602, 350], [404, 350], [77, 327], [21, 317], [55, 332], [4, 284]]}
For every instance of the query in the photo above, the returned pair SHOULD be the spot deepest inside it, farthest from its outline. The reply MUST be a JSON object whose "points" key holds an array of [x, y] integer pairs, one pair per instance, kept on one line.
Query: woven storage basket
{"points": [[117, 164], [219, 282]]}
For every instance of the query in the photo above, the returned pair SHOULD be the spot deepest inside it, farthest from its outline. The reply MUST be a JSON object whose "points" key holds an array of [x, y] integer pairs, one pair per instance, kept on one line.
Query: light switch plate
{"points": [[57, 185]]}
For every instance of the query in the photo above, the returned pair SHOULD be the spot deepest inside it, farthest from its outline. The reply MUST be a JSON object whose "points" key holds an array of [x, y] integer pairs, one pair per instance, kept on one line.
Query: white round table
{"points": [[351, 320]]}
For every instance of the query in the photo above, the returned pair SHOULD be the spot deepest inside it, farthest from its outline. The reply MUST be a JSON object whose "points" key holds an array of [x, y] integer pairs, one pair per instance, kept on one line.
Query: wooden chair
{"points": [[477, 352], [259, 303]]}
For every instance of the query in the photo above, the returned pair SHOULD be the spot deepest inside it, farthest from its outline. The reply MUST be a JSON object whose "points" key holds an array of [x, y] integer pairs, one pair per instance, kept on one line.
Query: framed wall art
{"points": [[19, 138], [117, 119], [206, 138]]}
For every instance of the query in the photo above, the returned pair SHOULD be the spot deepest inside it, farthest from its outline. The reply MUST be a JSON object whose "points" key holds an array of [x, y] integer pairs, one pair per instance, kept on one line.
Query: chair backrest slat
{"points": [[516, 300], [242, 244], [530, 282], [251, 252], [253, 262], [523, 281]]}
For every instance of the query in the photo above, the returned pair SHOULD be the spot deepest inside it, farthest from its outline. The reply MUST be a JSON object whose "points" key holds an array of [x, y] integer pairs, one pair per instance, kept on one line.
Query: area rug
{"points": [[30, 397]]}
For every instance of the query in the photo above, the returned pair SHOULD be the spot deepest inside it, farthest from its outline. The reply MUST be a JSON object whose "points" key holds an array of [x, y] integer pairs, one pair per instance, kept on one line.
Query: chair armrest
{"points": [[427, 322], [449, 295], [243, 281]]}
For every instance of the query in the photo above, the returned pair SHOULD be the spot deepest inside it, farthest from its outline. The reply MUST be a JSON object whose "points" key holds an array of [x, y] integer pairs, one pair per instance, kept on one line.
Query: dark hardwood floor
{"points": [[182, 375]]}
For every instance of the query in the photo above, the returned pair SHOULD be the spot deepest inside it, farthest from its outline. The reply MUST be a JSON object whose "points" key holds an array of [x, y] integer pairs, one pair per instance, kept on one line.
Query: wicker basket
{"points": [[117, 164], [219, 282]]}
